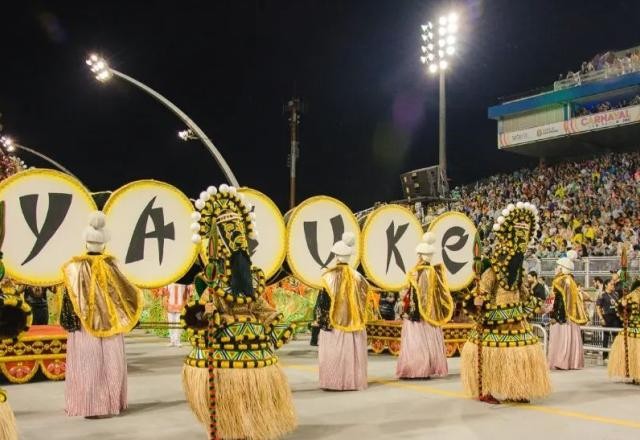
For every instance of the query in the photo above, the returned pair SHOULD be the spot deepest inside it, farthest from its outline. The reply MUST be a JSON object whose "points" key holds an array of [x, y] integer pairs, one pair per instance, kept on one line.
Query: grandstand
{"points": [[594, 110]]}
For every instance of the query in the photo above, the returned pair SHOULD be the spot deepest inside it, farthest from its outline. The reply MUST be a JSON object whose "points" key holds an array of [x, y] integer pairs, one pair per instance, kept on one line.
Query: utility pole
{"points": [[294, 108]]}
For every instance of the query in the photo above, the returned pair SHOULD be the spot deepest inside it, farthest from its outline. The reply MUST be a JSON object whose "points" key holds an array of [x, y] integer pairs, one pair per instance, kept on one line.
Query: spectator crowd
{"points": [[591, 206]]}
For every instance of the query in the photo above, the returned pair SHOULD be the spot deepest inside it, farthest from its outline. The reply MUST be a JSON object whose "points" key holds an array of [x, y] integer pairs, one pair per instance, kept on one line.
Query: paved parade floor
{"points": [[585, 405]]}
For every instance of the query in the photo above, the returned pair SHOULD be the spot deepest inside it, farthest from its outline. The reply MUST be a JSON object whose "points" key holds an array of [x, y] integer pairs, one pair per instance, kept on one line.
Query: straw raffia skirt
{"points": [[8, 427], [252, 403], [509, 373], [617, 360]]}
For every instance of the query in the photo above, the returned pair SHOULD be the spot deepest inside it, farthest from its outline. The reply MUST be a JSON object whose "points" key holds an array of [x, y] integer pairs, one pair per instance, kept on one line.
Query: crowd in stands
{"points": [[591, 206], [621, 64], [606, 106]]}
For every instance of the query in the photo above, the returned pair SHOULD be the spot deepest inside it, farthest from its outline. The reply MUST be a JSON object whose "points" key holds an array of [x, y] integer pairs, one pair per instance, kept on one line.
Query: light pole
{"points": [[103, 72], [438, 46], [10, 145]]}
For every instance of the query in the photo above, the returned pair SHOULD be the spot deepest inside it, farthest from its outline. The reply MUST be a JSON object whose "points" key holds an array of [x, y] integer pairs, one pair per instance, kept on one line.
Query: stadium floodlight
{"points": [[8, 144], [11, 146], [439, 53], [103, 72], [187, 135]]}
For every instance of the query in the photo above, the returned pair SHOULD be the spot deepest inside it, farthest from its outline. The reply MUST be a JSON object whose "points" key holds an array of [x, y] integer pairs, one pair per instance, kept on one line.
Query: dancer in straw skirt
{"points": [[100, 305], [422, 348], [231, 378], [343, 336], [624, 363], [513, 364], [565, 339]]}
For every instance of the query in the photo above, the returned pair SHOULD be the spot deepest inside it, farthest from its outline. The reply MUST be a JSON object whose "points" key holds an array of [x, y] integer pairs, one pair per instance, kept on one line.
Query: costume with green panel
{"points": [[233, 330]]}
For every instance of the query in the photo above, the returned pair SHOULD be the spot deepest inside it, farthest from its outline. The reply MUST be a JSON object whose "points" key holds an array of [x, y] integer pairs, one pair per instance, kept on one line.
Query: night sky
{"points": [[231, 65]]}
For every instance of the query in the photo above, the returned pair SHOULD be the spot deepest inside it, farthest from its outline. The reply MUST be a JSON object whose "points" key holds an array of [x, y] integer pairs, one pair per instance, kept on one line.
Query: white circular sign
{"points": [[313, 228], [46, 212], [389, 238], [150, 232], [455, 235], [268, 251]]}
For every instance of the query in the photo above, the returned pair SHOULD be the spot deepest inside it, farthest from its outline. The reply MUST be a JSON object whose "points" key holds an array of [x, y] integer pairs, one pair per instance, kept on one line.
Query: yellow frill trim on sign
{"points": [[102, 297], [251, 404], [511, 373], [616, 358]]}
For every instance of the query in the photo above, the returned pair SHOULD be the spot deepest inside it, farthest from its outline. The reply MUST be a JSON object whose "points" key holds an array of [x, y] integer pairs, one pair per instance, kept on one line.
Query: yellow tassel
{"points": [[510, 373], [616, 358], [8, 429], [252, 404]]}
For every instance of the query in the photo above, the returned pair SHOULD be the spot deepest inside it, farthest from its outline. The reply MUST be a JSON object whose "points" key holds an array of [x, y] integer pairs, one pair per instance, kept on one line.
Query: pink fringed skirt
{"points": [[565, 347], [96, 375], [343, 360], [422, 351]]}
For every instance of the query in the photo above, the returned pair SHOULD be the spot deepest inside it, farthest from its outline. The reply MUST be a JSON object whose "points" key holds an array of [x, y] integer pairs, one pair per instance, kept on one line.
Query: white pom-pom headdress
{"points": [[426, 247], [95, 234], [216, 206], [522, 215], [344, 247]]}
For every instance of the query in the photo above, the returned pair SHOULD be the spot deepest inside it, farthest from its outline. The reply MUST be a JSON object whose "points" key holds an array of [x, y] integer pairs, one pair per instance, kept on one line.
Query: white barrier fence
{"points": [[586, 269]]}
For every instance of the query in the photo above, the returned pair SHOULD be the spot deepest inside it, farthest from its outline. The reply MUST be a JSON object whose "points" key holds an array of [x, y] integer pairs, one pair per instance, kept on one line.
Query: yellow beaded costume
{"points": [[514, 366], [243, 394]]}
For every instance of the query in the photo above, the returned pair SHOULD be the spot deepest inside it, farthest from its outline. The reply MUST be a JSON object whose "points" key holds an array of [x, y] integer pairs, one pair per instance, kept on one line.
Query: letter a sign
{"points": [[313, 228], [389, 238], [46, 212], [150, 236]]}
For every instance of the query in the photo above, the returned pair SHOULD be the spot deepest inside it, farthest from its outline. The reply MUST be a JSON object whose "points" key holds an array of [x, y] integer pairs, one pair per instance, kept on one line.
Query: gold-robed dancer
{"points": [[565, 338], [624, 364], [231, 378], [342, 306], [514, 366], [422, 349], [99, 307]]}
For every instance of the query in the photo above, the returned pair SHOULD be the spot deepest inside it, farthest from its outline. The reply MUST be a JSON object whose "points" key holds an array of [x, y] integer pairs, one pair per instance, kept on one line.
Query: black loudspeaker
{"points": [[425, 182]]}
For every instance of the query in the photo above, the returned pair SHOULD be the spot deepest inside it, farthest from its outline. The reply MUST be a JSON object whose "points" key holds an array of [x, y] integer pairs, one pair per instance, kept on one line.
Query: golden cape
{"points": [[348, 292], [104, 300], [573, 302], [434, 298]]}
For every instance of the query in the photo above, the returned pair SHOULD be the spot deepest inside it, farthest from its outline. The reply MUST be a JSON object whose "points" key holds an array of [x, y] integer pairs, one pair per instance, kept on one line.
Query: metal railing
{"points": [[585, 269], [578, 78]]}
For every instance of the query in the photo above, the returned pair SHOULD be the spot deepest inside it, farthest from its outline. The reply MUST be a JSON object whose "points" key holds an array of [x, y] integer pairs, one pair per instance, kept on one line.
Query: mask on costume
{"points": [[515, 231], [223, 224]]}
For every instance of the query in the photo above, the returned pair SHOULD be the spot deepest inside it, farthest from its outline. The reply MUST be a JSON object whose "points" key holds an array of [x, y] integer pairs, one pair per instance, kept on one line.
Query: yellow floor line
{"points": [[543, 409]]}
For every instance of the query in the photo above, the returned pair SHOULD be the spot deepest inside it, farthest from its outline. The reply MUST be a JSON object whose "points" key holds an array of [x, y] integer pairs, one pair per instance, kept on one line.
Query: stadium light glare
{"points": [[438, 59]]}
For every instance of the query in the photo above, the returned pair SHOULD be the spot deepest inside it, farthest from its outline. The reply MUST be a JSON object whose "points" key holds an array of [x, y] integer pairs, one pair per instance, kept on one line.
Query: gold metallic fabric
{"points": [[348, 292], [573, 302], [434, 298], [104, 300]]}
